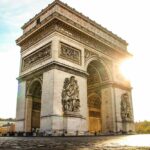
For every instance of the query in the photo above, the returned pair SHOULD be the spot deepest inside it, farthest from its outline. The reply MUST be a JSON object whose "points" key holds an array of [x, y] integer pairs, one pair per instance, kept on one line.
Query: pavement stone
{"points": [[64, 143]]}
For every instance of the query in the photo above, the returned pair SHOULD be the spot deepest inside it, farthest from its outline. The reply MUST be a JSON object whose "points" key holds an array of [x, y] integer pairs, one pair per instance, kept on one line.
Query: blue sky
{"points": [[13, 15], [126, 18]]}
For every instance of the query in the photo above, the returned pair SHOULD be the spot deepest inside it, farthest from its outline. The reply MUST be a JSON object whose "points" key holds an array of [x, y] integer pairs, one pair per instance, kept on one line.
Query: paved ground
{"points": [[133, 142]]}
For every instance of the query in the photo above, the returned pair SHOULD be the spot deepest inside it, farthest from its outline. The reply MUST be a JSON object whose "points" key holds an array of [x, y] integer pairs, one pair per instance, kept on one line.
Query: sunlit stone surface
{"points": [[131, 142], [69, 79]]}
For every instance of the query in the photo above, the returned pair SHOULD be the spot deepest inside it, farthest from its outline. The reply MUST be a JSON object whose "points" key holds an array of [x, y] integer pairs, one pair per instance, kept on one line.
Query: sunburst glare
{"points": [[126, 69]]}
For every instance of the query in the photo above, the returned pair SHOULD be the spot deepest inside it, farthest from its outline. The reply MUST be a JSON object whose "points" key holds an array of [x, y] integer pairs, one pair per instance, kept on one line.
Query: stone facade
{"points": [[69, 79]]}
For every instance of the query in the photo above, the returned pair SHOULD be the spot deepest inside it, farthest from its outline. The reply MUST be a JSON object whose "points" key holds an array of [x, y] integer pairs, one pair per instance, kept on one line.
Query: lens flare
{"points": [[126, 69]]}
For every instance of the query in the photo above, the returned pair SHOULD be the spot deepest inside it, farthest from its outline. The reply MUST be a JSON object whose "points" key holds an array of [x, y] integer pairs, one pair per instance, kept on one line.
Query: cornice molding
{"points": [[75, 13], [41, 54], [50, 66], [115, 84], [36, 29], [54, 25], [71, 70]]}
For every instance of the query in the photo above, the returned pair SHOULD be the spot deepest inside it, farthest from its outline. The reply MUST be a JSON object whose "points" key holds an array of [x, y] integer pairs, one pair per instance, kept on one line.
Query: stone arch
{"points": [[29, 87], [98, 73], [33, 105], [103, 66]]}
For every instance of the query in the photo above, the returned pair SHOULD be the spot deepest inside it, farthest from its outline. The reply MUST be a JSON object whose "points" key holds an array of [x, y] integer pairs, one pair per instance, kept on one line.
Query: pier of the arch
{"points": [[69, 79]]}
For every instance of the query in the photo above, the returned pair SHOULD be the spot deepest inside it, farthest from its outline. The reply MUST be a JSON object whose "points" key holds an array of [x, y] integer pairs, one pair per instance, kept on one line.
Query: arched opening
{"points": [[35, 94], [94, 106], [96, 75]]}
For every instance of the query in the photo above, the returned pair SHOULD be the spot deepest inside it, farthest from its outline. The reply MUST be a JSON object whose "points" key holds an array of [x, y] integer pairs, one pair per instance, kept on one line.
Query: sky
{"points": [[129, 19]]}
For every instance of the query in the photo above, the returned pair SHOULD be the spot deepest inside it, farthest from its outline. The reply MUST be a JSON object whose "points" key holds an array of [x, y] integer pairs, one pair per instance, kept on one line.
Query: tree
{"points": [[142, 127]]}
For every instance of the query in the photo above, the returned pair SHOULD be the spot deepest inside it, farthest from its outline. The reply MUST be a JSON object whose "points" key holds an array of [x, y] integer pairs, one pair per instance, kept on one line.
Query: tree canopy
{"points": [[142, 127]]}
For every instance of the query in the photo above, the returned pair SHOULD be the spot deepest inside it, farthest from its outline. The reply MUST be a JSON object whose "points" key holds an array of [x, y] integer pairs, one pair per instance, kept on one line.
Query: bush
{"points": [[142, 127]]}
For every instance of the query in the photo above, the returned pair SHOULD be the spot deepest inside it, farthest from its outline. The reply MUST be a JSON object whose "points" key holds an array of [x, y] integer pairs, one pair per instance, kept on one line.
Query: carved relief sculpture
{"points": [[70, 53], [39, 55], [89, 54], [38, 36], [126, 114], [70, 96]]}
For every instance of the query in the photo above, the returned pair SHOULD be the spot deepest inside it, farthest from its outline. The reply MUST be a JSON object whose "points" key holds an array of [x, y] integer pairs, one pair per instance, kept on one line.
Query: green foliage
{"points": [[8, 119], [142, 127]]}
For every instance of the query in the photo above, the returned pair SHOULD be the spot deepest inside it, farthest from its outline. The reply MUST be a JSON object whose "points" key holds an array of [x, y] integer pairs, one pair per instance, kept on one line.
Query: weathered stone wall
{"points": [[108, 116], [59, 51], [80, 19], [47, 100], [20, 112]]}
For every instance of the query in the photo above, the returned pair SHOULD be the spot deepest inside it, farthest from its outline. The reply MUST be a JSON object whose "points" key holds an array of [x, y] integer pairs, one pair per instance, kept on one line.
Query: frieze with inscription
{"points": [[37, 56], [70, 53]]}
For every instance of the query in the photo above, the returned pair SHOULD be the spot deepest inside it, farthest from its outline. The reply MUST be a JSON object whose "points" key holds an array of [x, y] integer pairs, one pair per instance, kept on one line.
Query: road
{"points": [[129, 142]]}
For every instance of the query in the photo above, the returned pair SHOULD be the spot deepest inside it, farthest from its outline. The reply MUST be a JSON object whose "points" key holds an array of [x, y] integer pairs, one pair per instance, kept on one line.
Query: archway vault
{"points": [[97, 73], [33, 105], [101, 66]]}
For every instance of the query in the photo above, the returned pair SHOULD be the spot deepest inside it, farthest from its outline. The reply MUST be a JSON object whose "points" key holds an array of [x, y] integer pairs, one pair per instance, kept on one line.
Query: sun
{"points": [[126, 69]]}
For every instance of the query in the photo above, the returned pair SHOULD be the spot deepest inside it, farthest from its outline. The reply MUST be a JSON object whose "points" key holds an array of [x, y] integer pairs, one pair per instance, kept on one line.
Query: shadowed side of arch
{"points": [[94, 106], [98, 73], [102, 68]]}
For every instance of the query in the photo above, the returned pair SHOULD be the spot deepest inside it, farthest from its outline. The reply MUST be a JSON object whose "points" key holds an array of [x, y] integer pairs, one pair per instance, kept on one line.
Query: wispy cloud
{"points": [[129, 19], [13, 15], [18, 12]]}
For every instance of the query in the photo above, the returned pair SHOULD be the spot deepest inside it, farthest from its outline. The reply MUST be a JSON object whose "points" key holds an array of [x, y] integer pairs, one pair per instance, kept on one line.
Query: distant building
{"points": [[7, 127], [69, 75], [6, 121]]}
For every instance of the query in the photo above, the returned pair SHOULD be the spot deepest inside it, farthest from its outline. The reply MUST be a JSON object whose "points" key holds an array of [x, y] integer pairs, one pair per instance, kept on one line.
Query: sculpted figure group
{"points": [[70, 95], [126, 114]]}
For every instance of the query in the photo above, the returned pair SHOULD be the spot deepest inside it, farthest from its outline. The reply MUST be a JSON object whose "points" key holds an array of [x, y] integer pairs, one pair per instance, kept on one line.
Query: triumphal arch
{"points": [[69, 75]]}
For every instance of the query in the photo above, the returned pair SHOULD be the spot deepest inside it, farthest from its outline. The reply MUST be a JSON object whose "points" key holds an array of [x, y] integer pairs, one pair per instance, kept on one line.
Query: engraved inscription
{"points": [[70, 53], [38, 56]]}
